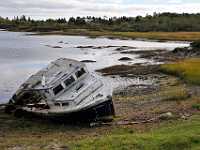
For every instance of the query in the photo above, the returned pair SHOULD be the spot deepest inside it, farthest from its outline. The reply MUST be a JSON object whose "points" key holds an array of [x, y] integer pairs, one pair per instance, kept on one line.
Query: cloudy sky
{"points": [[42, 9]]}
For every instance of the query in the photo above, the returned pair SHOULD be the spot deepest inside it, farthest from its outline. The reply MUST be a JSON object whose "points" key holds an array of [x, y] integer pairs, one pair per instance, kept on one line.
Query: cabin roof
{"points": [[61, 68]]}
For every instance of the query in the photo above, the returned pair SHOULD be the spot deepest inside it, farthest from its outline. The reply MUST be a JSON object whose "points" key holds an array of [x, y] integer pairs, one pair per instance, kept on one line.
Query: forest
{"points": [[158, 22]]}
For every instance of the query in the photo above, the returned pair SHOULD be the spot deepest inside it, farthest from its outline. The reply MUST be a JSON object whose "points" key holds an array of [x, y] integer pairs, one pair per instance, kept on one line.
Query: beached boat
{"points": [[65, 89]]}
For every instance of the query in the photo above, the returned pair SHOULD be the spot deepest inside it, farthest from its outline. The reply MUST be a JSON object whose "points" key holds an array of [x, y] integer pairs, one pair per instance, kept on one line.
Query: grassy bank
{"points": [[40, 135], [187, 69], [165, 36], [180, 135]]}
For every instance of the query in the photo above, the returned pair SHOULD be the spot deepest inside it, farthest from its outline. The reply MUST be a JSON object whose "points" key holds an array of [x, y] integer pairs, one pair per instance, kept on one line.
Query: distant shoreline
{"points": [[158, 36]]}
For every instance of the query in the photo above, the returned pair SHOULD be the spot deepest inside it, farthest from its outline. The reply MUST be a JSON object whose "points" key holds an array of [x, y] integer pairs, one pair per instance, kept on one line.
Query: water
{"points": [[21, 55]]}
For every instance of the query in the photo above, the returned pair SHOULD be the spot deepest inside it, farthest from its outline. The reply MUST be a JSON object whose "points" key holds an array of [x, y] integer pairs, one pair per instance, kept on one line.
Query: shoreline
{"points": [[141, 36]]}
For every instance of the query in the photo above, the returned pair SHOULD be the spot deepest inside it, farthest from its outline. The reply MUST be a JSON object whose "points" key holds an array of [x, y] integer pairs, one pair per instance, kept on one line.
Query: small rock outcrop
{"points": [[88, 61], [125, 59]]}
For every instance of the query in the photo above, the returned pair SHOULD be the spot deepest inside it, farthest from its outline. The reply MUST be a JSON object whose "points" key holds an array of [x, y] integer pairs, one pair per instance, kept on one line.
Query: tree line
{"points": [[166, 22]]}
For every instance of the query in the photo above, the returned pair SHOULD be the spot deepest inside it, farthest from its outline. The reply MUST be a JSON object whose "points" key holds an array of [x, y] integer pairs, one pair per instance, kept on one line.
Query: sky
{"points": [[43, 9]]}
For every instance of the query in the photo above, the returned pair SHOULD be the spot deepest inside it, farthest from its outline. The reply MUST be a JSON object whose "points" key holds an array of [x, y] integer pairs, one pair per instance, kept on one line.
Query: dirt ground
{"points": [[167, 98]]}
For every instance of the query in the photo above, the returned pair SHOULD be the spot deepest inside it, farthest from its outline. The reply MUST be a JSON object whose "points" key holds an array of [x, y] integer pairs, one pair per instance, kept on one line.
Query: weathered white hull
{"points": [[68, 92]]}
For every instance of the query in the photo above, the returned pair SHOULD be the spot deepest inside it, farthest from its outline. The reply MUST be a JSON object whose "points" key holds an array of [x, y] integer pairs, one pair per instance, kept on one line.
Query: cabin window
{"points": [[80, 73], [69, 81], [57, 104], [65, 104], [58, 89]]}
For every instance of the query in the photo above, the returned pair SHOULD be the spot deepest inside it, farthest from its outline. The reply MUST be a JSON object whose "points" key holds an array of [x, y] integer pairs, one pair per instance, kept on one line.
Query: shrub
{"points": [[196, 106], [195, 44]]}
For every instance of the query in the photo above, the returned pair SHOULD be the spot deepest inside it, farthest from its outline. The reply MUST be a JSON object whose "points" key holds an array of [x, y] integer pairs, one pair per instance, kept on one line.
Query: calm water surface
{"points": [[21, 55]]}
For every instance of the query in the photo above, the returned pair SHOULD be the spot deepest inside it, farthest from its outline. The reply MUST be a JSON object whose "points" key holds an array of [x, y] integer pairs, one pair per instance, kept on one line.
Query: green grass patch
{"points": [[176, 135], [187, 69], [180, 135], [196, 106]]}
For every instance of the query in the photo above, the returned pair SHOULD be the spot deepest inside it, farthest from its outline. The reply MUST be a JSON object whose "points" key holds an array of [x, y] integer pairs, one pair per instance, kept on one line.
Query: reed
{"points": [[187, 69]]}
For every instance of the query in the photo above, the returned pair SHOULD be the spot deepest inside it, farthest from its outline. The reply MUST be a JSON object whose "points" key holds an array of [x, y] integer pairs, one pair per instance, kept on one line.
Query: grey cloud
{"points": [[66, 8], [43, 4]]}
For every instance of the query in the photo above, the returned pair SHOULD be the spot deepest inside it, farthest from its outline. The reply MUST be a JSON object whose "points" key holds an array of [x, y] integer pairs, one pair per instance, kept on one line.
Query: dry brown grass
{"points": [[171, 36]]}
